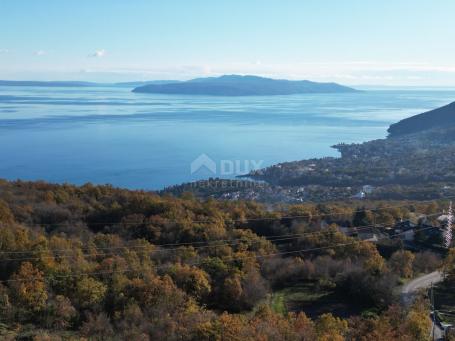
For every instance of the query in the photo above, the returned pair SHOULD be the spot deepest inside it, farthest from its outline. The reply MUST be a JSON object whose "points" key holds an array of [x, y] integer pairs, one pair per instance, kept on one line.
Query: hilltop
{"points": [[235, 85]]}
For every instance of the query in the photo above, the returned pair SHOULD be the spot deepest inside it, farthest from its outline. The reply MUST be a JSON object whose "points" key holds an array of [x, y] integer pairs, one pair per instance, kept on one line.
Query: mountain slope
{"points": [[234, 85], [440, 117]]}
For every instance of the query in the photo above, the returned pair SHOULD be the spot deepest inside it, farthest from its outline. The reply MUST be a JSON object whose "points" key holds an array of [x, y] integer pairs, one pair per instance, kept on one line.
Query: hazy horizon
{"points": [[365, 87], [351, 43]]}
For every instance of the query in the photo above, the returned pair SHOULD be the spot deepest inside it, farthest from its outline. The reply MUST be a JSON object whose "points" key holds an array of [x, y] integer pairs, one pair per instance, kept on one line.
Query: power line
{"points": [[233, 243], [225, 259], [270, 238], [214, 220], [221, 242]]}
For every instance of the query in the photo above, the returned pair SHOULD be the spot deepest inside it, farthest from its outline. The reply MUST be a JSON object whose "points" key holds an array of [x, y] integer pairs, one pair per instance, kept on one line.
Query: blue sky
{"points": [[397, 42]]}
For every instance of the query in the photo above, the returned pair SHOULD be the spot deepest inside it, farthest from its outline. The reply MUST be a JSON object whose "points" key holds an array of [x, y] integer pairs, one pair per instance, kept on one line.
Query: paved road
{"points": [[422, 282], [418, 283]]}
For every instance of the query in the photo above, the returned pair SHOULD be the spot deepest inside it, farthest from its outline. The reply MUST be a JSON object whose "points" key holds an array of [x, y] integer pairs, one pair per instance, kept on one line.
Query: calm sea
{"points": [[111, 135]]}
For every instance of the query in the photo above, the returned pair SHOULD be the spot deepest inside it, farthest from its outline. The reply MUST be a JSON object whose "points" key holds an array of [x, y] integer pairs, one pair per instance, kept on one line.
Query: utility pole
{"points": [[432, 311]]}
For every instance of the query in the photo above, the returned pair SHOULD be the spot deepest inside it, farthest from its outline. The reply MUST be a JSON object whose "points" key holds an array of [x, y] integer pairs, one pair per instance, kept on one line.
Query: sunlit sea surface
{"points": [[111, 135]]}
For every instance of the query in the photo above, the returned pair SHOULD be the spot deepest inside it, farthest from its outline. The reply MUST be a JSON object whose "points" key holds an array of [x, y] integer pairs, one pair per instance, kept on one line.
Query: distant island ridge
{"points": [[62, 84], [236, 85], [227, 85]]}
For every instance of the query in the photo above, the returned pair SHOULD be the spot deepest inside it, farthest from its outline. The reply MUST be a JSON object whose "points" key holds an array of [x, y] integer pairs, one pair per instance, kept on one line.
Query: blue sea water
{"points": [[111, 135]]}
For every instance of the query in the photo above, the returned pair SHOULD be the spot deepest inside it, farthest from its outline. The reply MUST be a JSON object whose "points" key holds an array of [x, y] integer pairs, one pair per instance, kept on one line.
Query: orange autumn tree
{"points": [[29, 288]]}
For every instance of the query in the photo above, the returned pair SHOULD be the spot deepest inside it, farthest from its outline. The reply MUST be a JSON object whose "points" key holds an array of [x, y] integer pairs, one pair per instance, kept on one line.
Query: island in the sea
{"points": [[227, 85], [236, 85]]}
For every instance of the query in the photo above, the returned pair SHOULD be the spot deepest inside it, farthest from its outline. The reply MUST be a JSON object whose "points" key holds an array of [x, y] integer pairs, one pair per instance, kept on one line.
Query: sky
{"points": [[353, 42]]}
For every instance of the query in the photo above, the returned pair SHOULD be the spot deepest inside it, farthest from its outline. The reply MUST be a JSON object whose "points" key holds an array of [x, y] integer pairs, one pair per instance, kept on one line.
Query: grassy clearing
{"points": [[312, 298], [277, 302], [296, 297]]}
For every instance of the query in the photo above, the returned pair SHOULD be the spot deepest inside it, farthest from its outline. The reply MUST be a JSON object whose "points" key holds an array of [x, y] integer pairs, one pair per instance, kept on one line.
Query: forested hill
{"points": [[99, 263], [440, 117], [235, 85]]}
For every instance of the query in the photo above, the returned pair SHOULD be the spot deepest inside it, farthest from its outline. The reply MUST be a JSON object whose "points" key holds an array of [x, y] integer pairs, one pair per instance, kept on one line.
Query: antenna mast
{"points": [[448, 230]]}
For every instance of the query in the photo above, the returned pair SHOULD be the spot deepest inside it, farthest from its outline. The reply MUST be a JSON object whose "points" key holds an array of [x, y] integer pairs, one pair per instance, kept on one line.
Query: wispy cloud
{"points": [[40, 53], [98, 54], [4, 51]]}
